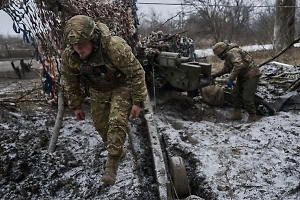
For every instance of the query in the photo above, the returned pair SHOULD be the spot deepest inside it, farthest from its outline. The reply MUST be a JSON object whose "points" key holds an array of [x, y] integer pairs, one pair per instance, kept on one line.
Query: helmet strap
{"points": [[96, 39]]}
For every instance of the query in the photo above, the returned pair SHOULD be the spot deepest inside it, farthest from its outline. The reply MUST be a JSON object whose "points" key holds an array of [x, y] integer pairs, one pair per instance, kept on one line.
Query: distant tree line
{"points": [[12, 47], [242, 21], [246, 22], [12, 42]]}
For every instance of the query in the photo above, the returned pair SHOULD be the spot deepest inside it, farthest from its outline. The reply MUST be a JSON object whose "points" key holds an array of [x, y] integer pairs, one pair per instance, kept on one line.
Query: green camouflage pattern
{"points": [[119, 53], [110, 109], [219, 48], [105, 33], [241, 67], [243, 93], [239, 64], [79, 29]]}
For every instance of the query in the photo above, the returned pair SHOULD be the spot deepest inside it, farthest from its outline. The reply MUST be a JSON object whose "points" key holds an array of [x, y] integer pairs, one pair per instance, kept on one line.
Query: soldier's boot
{"points": [[110, 172], [251, 118], [236, 115]]}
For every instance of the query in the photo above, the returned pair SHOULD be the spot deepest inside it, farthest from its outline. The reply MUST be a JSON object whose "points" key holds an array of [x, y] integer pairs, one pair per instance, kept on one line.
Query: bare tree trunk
{"points": [[60, 103], [59, 117], [284, 28]]}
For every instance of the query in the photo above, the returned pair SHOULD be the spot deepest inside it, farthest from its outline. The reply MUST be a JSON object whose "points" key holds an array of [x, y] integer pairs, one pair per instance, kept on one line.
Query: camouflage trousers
{"points": [[243, 94], [110, 111]]}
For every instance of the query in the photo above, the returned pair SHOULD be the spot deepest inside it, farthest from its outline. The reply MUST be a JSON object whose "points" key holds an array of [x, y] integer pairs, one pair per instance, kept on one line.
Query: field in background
{"points": [[16, 54], [291, 56]]}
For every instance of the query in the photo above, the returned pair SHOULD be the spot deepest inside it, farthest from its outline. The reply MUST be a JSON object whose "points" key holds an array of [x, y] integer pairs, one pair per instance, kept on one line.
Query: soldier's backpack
{"points": [[213, 95]]}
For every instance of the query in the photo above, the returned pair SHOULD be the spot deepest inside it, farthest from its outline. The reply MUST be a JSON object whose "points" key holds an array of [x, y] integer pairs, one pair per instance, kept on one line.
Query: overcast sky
{"points": [[162, 10], [6, 24]]}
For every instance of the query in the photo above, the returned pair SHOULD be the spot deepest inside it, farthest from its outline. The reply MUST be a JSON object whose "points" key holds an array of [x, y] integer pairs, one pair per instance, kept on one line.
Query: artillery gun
{"points": [[169, 63]]}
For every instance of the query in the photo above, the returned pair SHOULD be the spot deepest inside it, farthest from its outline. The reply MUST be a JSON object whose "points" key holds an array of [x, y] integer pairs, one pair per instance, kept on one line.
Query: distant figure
{"points": [[240, 66], [24, 66], [106, 65]]}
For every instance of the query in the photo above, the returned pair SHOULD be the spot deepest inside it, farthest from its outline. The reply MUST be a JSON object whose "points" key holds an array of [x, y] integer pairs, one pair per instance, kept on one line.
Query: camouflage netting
{"points": [[41, 23], [158, 41]]}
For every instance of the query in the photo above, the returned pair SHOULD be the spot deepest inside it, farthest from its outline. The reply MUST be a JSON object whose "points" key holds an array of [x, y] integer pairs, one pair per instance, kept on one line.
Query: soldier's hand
{"points": [[135, 111], [79, 114]]}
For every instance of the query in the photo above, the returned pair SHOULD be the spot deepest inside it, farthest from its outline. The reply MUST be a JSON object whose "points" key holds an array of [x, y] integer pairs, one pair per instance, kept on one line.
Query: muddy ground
{"points": [[73, 171]]}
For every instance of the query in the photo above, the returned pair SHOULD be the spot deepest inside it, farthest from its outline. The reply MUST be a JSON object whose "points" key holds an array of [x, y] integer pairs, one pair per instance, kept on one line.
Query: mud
{"points": [[73, 171]]}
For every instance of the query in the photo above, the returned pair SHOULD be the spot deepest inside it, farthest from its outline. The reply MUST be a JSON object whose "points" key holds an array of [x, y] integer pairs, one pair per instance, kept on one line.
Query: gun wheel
{"points": [[179, 177]]}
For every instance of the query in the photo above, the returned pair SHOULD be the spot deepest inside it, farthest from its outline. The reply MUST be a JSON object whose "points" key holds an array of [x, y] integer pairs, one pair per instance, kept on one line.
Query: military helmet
{"points": [[79, 29], [219, 48]]}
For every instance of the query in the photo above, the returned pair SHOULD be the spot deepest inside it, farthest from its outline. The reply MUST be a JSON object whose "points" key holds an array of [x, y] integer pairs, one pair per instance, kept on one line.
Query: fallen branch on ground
{"points": [[283, 74], [281, 82], [295, 85], [26, 94]]}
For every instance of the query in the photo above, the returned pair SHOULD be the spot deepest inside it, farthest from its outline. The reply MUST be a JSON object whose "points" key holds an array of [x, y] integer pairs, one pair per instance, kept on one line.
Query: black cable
{"points": [[214, 5]]}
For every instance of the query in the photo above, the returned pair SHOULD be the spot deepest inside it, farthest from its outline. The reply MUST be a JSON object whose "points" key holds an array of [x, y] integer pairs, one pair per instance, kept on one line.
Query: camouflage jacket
{"points": [[239, 64], [120, 56]]}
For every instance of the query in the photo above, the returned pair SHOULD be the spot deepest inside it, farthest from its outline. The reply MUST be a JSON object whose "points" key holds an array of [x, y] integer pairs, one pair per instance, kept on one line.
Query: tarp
{"points": [[287, 102]]}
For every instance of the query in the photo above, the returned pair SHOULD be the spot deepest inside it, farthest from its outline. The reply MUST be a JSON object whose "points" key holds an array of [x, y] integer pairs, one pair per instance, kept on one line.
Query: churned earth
{"points": [[29, 171], [223, 159]]}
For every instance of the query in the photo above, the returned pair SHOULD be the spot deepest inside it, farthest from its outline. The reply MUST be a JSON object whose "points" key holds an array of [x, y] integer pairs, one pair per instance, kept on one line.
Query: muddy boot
{"points": [[236, 115], [110, 172], [251, 118]]}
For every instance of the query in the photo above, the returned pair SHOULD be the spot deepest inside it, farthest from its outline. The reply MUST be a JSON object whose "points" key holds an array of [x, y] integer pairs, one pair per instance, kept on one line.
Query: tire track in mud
{"points": [[171, 108]]}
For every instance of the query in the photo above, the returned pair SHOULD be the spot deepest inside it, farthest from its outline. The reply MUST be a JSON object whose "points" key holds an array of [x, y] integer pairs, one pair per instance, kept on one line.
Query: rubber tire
{"points": [[179, 177]]}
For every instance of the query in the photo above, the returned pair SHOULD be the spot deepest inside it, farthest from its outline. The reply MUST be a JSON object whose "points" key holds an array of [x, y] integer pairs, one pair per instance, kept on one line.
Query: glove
{"points": [[213, 75], [229, 83]]}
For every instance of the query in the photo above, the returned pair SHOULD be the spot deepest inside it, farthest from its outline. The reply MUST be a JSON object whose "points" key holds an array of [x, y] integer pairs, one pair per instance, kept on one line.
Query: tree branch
{"points": [[281, 52]]}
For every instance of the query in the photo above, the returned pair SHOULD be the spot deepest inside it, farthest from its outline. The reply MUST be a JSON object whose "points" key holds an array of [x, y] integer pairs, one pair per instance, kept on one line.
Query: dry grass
{"points": [[291, 56]]}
